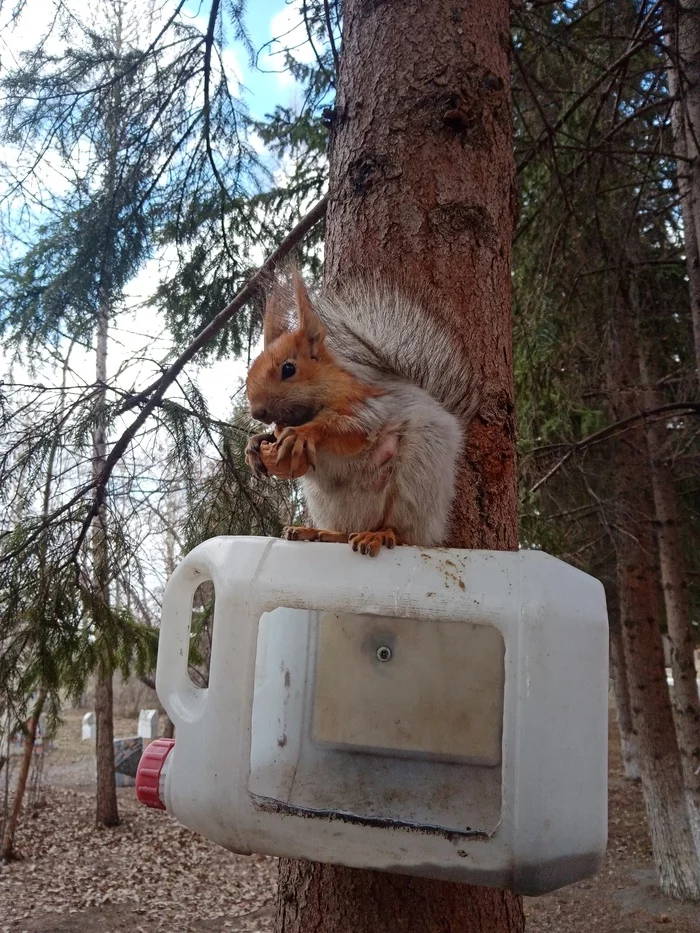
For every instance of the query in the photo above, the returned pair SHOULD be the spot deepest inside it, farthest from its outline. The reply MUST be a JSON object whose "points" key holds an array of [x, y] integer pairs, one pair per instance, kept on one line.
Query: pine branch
{"points": [[634, 46], [257, 281], [152, 396], [158, 389]]}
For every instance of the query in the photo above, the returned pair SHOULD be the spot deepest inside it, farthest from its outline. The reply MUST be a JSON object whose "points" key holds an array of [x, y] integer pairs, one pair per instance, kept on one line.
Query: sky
{"points": [[266, 85], [140, 333]]}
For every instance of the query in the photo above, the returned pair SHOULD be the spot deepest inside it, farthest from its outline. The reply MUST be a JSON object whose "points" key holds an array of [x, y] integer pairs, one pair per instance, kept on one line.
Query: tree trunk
{"points": [[422, 190], [659, 759], [107, 813], [8, 837], [662, 781], [623, 710], [682, 21], [326, 898], [106, 810], [685, 699]]}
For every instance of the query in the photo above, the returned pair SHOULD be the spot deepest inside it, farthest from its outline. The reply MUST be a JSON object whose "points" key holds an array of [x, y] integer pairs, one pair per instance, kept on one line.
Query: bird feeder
{"points": [[431, 712]]}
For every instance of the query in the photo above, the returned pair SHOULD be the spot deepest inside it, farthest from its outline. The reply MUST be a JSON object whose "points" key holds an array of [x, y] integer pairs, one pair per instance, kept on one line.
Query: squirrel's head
{"points": [[287, 382]]}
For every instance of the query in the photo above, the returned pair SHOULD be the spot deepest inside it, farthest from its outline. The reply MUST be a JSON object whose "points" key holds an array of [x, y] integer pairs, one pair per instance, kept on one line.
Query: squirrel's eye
{"points": [[288, 369]]}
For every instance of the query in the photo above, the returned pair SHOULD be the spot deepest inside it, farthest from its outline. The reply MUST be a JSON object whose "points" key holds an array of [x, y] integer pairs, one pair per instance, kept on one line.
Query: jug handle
{"points": [[182, 700]]}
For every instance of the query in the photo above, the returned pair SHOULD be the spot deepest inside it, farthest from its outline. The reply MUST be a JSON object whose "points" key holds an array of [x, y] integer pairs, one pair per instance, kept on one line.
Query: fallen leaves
{"points": [[166, 877]]}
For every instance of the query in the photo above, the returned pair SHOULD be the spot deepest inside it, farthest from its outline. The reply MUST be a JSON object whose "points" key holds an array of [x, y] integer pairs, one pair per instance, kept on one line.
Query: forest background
{"points": [[151, 162]]}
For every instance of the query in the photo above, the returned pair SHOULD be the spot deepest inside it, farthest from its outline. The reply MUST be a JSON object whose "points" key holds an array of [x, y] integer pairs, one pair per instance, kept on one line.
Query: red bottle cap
{"points": [[149, 771]]}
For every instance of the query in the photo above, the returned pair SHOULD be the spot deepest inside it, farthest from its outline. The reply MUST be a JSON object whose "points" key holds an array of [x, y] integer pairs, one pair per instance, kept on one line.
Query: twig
{"points": [[331, 39], [208, 48], [612, 429], [170, 375]]}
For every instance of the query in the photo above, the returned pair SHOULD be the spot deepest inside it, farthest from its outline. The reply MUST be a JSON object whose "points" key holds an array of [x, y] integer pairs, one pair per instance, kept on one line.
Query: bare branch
{"points": [[612, 430]]}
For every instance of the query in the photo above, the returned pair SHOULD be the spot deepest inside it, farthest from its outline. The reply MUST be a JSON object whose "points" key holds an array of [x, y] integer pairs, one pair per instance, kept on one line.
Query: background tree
{"points": [[603, 332], [127, 109], [682, 46]]}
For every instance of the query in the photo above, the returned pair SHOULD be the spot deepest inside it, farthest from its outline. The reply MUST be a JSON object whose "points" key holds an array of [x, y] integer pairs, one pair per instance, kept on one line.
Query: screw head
{"points": [[384, 653]]}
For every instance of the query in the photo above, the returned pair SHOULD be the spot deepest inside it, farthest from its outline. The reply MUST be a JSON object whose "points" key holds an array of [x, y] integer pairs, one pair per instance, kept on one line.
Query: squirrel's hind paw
{"points": [[370, 542]]}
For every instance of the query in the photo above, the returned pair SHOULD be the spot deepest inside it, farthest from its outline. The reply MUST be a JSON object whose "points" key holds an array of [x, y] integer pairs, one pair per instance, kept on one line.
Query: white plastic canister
{"points": [[430, 712]]}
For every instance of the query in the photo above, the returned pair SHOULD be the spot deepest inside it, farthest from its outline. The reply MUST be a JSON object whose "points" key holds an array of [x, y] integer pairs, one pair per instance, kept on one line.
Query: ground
{"points": [[151, 874]]}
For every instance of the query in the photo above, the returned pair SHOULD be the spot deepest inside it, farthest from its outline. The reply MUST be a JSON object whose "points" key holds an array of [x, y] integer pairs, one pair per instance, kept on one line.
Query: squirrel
{"points": [[368, 408]]}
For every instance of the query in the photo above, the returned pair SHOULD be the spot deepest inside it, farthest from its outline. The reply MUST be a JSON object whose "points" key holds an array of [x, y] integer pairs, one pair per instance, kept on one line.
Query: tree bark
{"points": [[623, 710], [8, 836], [684, 694], [659, 759], [682, 22], [332, 899], [422, 193], [107, 812]]}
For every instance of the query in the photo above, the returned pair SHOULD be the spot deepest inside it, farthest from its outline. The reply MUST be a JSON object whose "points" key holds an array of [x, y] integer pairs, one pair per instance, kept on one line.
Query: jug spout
{"points": [[151, 772]]}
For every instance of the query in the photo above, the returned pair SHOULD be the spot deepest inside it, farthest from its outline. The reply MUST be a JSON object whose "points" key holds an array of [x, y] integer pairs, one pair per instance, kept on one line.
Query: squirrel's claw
{"points": [[286, 457], [299, 533], [370, 542], [298, 448]]}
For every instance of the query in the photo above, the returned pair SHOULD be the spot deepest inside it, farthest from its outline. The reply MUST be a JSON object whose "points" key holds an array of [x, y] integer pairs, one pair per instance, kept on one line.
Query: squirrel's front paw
{"points": [[254, 456], [299, 533], [370, 542], [296, 452]]}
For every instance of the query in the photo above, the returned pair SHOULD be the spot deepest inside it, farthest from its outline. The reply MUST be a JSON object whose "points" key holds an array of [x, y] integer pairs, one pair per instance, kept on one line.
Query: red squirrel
{"points": [[367, 408]]}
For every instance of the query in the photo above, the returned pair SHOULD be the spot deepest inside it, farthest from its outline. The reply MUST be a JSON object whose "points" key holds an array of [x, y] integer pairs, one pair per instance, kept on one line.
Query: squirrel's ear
{"points": [[309, 322], [276, 317]]}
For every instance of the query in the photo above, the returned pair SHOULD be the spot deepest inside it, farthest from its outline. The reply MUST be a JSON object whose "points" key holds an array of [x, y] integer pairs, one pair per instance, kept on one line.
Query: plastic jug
{"points": [[431, 712]]}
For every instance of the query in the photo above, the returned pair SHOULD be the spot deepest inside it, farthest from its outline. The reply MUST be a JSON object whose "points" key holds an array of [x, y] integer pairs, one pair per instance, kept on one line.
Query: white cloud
{"points": [[288, 32]]}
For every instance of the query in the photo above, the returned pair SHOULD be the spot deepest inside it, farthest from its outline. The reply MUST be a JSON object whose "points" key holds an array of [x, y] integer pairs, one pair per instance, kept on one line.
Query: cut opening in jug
{"points": [[201, 634], [381, 719]]}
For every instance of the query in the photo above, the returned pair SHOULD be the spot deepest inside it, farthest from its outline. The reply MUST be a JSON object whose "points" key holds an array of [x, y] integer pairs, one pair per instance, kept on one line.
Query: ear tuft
{"points": [[276, 317], [309, 322]]}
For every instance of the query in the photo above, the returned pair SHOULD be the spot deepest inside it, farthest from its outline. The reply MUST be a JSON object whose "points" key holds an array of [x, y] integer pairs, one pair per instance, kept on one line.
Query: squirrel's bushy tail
{"points": [[386, 330]]}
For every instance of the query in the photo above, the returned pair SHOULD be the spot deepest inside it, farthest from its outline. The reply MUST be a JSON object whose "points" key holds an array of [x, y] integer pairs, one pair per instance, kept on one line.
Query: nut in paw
{"points": [[254, 452]]}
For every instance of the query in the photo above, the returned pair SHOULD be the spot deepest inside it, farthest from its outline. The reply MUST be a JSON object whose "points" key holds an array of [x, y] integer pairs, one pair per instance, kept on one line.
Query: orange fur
{"points": [[313, 409], [333, 386]]}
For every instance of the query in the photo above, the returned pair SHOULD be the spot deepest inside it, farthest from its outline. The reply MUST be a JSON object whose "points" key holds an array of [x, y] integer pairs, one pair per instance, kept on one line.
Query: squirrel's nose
{"points": [[260, 414]]}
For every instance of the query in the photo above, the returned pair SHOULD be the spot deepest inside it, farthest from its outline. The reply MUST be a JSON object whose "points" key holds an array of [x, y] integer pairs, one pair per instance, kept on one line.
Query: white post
{"points": [[148, 724], [89, 727]]}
